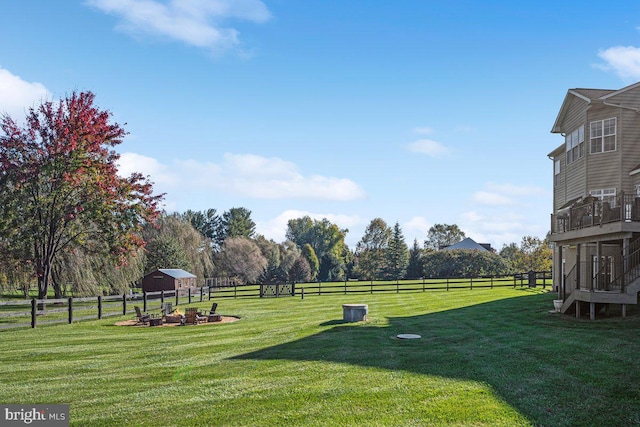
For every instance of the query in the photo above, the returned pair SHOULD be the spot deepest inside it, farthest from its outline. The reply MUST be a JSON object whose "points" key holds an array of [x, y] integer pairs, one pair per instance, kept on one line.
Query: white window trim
{"points": [[574, 145], [605, 194], [601, 138]]}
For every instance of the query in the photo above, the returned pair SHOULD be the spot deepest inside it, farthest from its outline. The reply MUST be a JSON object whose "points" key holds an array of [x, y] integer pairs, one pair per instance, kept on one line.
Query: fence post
{"points": [[34, 312], [124, 304], [144, 301], [202, 294], [99, 306], [189, 295], [70, 310], [397, 286], [302, 294], [177, 297], [162, 298]]}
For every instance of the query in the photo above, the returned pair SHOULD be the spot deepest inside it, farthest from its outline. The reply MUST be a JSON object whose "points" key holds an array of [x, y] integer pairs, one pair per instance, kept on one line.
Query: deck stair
{"points": [[623, 290]]}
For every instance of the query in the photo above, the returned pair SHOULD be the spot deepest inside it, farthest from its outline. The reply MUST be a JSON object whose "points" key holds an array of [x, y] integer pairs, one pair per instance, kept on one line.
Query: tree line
{"points": [[316, 250], [70, 222]]}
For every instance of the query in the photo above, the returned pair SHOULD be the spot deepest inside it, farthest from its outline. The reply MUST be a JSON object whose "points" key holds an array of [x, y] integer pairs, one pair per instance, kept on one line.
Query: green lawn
{"points": [[487, 357]]}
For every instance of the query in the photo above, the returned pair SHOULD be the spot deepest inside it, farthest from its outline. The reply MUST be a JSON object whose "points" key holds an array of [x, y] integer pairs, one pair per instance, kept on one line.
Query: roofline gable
{"points": [[623, 90], [565, 108]]}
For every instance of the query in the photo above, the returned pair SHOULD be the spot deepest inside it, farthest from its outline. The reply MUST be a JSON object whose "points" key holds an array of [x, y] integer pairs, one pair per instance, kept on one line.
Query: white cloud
{"points": [[194, 22], [423, 130], [242, 174], [494, 199], [472, 216], [18, 95], [497, 229], [429, 147], [503, 213], [276, 228], [417, 225], [623, 60], [506, 194], [517, 190]]}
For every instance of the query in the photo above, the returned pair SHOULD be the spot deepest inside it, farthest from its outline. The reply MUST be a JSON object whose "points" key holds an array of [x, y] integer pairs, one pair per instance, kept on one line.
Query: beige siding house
{"points": [[595, 225]]}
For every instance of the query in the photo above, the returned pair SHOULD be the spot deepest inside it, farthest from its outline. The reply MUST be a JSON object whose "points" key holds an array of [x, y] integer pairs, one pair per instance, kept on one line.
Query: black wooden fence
{"points": [[539, 278], [24, 313]]}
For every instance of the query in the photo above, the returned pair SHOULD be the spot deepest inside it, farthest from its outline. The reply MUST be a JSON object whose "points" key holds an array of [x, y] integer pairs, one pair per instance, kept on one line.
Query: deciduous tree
{"points": [[242, 258], [370, 250], [300, 271], [442, 235], [59, 186], [327, 241], [464, 263]]}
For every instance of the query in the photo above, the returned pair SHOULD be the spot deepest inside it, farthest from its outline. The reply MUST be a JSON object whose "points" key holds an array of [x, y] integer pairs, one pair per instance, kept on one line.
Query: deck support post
{"points": [[592, 311], [624, 310]]}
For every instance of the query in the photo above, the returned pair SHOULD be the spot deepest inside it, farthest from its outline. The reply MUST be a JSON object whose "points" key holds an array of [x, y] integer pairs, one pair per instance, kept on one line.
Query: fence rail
{"points": [[69, 310], [30, 313], [419, 285]]}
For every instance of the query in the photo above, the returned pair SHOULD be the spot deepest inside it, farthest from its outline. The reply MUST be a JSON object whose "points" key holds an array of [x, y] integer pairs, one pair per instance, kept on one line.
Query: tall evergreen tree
{"points": [[415, 269], [396, 256], [237, 222]]}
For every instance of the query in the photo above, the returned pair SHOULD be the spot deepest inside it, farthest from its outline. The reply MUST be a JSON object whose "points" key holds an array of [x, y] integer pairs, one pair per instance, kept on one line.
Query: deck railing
{"points": [[595, 212]]}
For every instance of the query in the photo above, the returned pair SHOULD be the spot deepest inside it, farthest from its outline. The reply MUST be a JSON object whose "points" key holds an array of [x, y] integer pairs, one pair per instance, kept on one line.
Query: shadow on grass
{"points": [[553, 369]]}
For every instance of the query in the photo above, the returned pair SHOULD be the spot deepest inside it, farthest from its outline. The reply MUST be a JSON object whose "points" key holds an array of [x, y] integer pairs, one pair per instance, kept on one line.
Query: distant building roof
{"points": [[468, 243], [176, 273]]}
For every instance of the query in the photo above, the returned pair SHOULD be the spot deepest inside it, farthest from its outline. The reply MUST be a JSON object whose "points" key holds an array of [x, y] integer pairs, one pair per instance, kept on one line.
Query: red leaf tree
{"points": [[60, 190]]}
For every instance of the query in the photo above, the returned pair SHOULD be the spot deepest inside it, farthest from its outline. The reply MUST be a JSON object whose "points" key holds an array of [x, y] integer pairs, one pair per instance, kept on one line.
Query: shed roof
{"points": [[176, 273], [467, 243]]}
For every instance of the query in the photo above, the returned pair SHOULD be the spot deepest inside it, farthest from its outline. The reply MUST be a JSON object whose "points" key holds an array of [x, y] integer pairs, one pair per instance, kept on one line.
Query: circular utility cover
{"points": [[408, 336]]}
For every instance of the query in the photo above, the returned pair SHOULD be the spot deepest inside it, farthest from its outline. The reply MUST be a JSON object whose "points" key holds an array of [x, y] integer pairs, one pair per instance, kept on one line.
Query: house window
{"points": [[556, 174], [605, 195], [603, 135], [574, 143]]}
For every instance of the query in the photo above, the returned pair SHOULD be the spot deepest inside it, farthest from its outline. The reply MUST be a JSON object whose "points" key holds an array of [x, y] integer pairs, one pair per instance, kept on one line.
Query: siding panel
{"points": [[604, 168], [575, 173]]}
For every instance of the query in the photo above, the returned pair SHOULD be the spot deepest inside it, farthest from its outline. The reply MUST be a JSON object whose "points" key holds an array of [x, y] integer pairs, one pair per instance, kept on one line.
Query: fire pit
{"points": [[155, 321], [175, 317]]}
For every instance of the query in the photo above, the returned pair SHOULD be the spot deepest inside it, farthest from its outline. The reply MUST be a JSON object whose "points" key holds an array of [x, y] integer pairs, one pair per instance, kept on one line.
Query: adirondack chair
{"points": [[167, 309], [142, 318], [213, 316], [192, 317]]}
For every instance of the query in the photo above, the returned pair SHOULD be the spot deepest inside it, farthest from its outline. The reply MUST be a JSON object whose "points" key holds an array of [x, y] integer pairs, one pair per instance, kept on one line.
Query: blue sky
{"points": [[420, 112]]}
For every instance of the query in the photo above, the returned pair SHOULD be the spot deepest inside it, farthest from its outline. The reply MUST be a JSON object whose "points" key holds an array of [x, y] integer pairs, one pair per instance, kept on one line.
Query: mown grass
{"points": [[487, 357]]}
